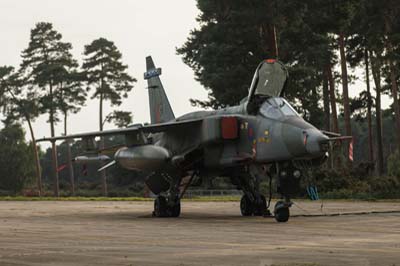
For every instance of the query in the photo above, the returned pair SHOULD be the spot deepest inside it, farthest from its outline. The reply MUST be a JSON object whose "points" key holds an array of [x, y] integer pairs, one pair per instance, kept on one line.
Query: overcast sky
{"points": [[138, 28]]}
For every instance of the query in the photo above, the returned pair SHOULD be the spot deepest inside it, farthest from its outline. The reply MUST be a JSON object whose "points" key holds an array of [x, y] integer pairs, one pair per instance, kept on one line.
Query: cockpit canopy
{"points": [[277, 108], [269, 79]]}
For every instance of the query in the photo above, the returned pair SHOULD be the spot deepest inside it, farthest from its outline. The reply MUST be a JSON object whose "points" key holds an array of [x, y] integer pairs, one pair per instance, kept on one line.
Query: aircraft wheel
{"points": [[160, 207], [175, 210], [260, 208], [246, 206], [281, 212]]}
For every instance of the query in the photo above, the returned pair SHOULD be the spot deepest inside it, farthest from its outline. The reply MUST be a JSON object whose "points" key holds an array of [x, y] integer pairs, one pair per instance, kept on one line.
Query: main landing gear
{"points": [[170, 205], [253, 203], [163, 208], [256, 208]]}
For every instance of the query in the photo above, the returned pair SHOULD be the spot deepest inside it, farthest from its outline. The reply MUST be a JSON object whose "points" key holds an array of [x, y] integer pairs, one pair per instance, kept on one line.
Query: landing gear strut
{"points": [[252, 202], [170, 206], [288, 183]]}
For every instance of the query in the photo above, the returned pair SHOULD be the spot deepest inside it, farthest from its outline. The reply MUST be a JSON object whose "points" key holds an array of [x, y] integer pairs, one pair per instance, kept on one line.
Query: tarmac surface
{"points": [[207, 233]]}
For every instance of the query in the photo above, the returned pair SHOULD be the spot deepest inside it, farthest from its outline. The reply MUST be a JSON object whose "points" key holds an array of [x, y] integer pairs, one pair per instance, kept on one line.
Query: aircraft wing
{"points": [[156, 128]]}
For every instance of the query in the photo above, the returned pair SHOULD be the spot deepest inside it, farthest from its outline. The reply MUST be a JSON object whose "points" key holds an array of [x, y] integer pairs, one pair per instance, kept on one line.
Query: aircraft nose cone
{"points": [[316, 143]]}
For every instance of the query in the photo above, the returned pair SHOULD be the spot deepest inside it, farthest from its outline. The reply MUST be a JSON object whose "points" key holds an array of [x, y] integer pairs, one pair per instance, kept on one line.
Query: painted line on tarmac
{"points": [[346, 213]]}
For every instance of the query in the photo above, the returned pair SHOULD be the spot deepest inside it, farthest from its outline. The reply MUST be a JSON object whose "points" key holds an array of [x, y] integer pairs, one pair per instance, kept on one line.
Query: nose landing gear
{"points": [[288, 184], [281, 211]]}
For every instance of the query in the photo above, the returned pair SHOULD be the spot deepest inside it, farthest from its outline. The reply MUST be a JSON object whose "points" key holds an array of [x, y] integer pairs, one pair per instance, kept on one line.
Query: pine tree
{"points": [[44, 65], [17, 104], [120, 118], [234, 36], [16, 160], [370, 27], [107, 76], [369, 107], [391, 19], [340, 16], [70, 98]]}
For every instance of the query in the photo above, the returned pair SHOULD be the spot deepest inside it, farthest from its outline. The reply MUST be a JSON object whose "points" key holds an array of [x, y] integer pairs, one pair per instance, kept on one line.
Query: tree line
{"points": [[326, 44], [49, 81]]}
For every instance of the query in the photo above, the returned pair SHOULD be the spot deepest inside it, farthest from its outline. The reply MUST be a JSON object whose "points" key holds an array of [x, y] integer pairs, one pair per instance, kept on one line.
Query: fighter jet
{"points": [[262, 137]]}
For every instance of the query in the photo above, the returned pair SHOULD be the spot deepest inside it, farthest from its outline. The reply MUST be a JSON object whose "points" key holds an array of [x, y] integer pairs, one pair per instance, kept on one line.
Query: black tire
{"points": [[246, 206], [175, 211], [260, 209], [281, 212], [160, 207]]}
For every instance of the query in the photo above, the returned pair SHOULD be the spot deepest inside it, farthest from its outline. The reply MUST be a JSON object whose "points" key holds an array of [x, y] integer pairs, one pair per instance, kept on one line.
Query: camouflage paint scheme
{"points": [[260, 137]]}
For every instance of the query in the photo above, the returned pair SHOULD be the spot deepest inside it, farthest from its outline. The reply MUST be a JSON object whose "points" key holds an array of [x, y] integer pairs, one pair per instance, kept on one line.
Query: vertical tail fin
{"points": [[160, 108]]}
